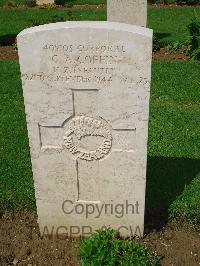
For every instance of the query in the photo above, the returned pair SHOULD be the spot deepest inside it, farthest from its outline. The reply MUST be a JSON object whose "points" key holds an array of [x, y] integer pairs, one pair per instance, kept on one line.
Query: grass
{"points": [[23, 18], [169, 24], [175, 113], [173, 150], [174, 147], [16, 187], [28, 17], [187, 205], [15, 2]]}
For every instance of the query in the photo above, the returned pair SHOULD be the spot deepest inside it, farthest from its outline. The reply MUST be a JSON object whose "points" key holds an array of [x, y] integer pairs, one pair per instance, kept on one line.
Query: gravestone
{"points": [[41, 2], [127, 11], [86, 88]]}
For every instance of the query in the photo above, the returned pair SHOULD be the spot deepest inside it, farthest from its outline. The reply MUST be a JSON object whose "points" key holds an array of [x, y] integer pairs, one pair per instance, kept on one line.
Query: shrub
{"points": [[104, 248], [168, 2], [156, 43], [14, 46], [53, 19], [194, 39], [188, 2], [10, 4], [31, 3], [174, 46], [60, 2]]}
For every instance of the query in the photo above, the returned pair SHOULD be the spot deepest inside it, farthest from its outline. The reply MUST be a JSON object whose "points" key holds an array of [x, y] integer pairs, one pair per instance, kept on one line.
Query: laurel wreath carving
{"points": [[82, 126]]}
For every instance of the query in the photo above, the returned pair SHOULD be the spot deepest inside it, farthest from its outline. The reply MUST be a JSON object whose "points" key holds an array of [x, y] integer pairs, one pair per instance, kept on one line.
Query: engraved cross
{"points": [[89, 139]]}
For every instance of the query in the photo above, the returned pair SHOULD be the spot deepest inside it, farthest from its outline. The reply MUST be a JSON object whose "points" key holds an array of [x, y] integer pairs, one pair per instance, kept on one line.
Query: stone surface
{"points": [[40, 2], [127, 11], [86, 89]]}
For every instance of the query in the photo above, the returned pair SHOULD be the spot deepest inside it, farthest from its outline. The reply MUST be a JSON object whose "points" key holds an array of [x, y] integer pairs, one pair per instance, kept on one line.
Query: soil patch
{"points": [[21, 244], [71, 5], [88, 6], [8, 53], [178, 243], [68, 6], [160, 5], [164, 53]]}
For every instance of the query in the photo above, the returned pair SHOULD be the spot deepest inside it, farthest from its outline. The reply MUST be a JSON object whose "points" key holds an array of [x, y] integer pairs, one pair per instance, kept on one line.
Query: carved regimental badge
{"points": [[88, 138]]}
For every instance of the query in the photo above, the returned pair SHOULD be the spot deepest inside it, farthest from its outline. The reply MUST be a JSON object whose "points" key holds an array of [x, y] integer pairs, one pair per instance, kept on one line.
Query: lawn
{"points": [[174, 147], [168, 30], [16, 185], [173, 150]]}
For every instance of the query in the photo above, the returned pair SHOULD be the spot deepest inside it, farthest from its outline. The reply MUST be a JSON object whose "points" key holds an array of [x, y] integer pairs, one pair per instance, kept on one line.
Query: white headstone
{"points": [[86, 89], [127, 11], [41, 2]]}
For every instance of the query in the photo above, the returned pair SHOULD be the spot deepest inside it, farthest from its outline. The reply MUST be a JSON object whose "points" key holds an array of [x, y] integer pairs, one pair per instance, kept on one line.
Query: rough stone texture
{"points": [[40, 2], [86, 89], [127, 11]]}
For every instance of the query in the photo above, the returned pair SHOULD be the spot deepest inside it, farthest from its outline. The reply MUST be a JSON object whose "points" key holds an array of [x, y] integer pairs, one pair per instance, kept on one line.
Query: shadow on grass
{"points": [[8, 39], [161, 35], [159, 40], [166, 179]]}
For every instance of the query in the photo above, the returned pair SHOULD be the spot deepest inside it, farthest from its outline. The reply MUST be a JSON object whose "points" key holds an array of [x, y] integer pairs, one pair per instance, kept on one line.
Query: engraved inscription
{"points": [[87, 63], [97, 132]]}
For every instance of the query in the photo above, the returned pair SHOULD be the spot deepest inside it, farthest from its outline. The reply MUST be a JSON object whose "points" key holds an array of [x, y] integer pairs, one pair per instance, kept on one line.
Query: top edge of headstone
{"points": [[88, 24]]}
